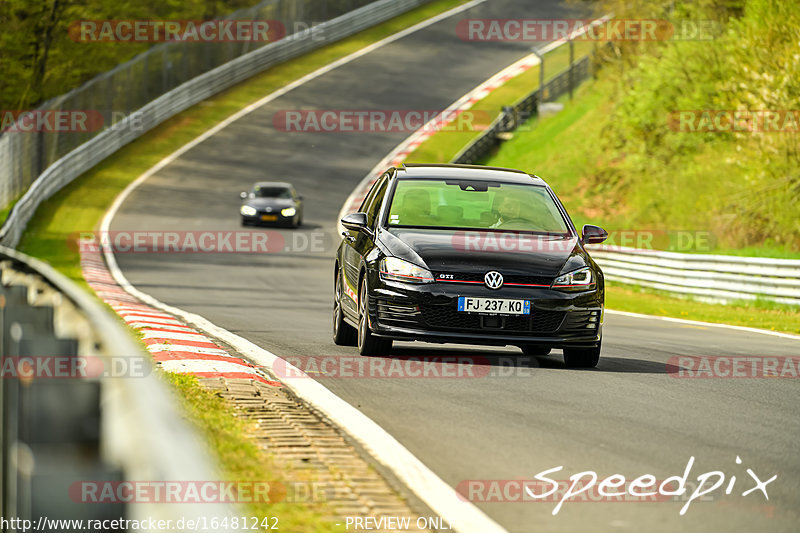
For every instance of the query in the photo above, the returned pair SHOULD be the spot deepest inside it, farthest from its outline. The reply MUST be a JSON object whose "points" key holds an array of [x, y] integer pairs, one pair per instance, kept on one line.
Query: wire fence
{"points": [[66, 156], [114, 95], [527, 108]]}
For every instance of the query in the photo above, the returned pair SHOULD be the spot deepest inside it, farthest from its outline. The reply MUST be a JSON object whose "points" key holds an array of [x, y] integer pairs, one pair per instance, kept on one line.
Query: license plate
{"points": [[494, 306], [269, 217]]}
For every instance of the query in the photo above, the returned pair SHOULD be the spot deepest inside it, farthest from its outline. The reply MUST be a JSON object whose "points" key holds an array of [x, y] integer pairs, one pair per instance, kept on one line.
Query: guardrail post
{"points": [[571, 65], [541, 75]]}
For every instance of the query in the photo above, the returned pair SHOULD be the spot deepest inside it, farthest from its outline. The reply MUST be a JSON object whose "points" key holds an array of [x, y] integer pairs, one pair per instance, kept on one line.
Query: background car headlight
{"points": [[247, 210], [581, 279], [289, 212], [394, 269]]}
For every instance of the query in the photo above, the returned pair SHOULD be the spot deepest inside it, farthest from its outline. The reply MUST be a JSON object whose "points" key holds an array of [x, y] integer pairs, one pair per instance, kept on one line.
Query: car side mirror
{"points": [[299, 196], [593, 234], [355, 221], [242, 195]]}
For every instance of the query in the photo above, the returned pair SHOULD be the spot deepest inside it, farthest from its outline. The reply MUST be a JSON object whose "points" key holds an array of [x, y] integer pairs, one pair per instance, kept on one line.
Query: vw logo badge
{"points": [[493, 279], [269, 210]]}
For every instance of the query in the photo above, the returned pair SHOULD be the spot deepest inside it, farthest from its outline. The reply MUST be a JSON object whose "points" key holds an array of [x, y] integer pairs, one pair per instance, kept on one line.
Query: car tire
{"points": [[581, 357], [532, 349], [368, 344], [343, 333]]}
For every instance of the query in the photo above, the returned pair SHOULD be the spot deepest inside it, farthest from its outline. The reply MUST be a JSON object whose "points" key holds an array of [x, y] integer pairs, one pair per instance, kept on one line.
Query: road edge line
{"points": [[463, 515]]}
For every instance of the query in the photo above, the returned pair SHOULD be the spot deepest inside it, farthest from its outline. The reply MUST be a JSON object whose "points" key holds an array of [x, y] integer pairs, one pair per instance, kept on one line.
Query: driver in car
{"points": [[509, 208]]}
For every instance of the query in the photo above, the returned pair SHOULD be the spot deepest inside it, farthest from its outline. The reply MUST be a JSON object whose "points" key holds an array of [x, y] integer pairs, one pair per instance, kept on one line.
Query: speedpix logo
{"points": [[588, 487]]}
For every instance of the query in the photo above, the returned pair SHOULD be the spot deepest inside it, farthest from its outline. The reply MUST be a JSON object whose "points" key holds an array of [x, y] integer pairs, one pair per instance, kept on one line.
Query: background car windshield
{"points": [[475, 205], [272, 192]]}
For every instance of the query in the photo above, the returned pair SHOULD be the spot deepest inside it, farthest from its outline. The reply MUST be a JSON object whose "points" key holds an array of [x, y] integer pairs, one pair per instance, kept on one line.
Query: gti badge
{"points": [[493, 279]]}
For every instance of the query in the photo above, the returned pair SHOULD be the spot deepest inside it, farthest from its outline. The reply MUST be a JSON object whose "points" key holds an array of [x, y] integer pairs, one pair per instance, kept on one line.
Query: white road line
{"points": [[440, 497], [155, 348], [152, 321], [166, 327], [705, 324], [149, 334]]}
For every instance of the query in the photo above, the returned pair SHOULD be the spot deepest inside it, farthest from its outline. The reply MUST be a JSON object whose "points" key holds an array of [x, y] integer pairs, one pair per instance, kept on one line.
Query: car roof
{"points": [[273, 184], [467, 172]]}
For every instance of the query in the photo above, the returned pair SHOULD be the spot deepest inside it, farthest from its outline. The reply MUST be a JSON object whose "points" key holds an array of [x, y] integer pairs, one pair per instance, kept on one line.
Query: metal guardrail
{"points": [[15, 150], [719, 278], [84, 426], [511, 117]]}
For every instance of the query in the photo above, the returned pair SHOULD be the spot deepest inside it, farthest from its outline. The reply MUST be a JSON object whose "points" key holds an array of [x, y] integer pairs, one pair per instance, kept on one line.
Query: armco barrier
{"points": [[91, 152], [59, 430], [721, 278]]}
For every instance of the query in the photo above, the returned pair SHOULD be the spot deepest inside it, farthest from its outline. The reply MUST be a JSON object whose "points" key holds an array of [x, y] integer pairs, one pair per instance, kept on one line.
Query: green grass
{"points": [[81, 205], [549, 147], [243, 461], [441, 148], [550, 151]]}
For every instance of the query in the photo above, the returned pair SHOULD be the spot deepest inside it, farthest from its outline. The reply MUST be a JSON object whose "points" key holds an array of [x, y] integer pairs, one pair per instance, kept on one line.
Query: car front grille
{"points": [[582, 321], [508, 279], [446, 317], [398, 315]]}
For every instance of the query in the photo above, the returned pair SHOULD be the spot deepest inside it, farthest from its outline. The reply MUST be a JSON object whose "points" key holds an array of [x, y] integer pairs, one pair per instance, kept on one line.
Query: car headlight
{"points": [[581, 279], [247, 210], [394, 269], [289, 212]]}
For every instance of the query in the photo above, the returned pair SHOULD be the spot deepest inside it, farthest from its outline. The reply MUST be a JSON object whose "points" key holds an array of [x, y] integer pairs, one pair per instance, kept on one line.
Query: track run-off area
{"points": [[505, 417]]}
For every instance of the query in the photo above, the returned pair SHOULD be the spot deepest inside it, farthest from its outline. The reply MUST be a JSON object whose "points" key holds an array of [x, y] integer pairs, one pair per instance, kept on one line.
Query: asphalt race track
{"points": [[526, 415]]}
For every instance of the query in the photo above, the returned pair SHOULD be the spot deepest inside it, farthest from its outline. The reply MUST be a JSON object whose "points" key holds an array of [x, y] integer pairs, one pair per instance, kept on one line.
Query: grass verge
{"points": [[763, 315], [441, 148], [81, 205], [548, 147], [243, 461]]}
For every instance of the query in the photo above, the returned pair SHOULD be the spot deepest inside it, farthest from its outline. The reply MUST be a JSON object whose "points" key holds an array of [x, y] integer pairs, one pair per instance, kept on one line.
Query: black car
{"points": [[272, 202], [467, 254]]}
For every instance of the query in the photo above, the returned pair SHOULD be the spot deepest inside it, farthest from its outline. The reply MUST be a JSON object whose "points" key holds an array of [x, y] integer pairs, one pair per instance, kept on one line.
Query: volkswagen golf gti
{"points": [[471, 255]]}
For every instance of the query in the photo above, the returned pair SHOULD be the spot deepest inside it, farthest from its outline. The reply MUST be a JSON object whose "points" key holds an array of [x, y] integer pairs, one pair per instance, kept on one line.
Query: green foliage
{"points": [[744, 186], [39, 60]]}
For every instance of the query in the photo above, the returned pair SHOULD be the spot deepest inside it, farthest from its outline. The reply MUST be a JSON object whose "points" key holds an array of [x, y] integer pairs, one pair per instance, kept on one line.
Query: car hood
{"points": [[269, 202], [479, 251]]}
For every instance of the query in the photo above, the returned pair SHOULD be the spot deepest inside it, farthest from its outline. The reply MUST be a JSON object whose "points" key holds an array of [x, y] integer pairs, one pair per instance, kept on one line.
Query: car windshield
{"points": [[272, 192], [471, 204]]}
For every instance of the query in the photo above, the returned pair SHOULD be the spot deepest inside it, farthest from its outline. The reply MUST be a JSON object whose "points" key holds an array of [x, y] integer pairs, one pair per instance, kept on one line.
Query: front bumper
{"points": [[280, 220], [429, 313]]}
